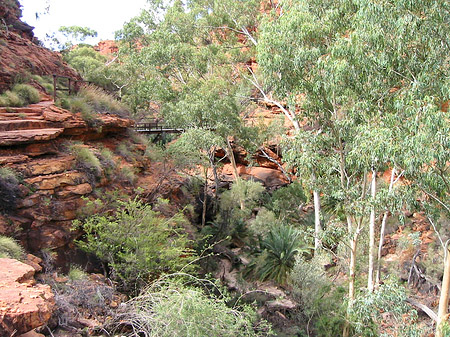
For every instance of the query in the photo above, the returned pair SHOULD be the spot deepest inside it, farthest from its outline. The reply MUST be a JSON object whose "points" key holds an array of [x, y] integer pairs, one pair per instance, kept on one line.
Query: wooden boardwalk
{"points": [[155, 127]]}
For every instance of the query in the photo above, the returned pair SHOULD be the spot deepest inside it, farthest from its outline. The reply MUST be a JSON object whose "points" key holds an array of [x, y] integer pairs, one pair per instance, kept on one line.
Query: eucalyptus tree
{"points": [[365, 77], [199, 147], [186, 62]]}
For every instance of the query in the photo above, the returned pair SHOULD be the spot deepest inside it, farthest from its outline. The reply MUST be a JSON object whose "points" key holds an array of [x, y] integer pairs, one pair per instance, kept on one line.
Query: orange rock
{"points": [[47, 166], [23, 304], [34, 262], [28, 136], [53, 181]]}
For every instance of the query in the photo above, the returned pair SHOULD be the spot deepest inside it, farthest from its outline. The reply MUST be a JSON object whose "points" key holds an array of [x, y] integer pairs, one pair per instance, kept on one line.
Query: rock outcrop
{"points": [[33, 143], [24, 305], [11, 13]]}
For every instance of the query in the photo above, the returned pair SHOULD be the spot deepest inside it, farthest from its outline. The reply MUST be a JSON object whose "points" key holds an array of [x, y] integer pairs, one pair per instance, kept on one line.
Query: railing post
{"points": [[54, 88]]}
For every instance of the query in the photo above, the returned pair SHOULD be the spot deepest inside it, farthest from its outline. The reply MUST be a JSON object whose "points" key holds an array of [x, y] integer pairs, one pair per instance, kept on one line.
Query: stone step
{"points": [[14, 115], [34, 108], [24, 124], [17, 137]]}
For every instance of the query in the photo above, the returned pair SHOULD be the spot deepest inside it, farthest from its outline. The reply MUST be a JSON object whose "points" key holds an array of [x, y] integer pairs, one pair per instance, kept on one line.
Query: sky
{"points": [[104, 16]]}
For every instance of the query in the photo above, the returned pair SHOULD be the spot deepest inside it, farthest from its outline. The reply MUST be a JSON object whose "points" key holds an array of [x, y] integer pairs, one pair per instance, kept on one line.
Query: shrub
{"points": [[127, 174], [367, 309], [11, 99], [10, 248], [3, 100], [87, 162], [80, 298], [102, 102], [107, 161], [27, 93], [137, 243], [285, 202], [174, 308], [9, 189], [321, 303], [76, 273], [80, 105], [279, 249], [232, 217]]}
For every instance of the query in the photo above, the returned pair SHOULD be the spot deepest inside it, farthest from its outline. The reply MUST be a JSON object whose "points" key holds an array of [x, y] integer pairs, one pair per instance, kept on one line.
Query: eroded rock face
{"points": [[34, 142], [24, 305]]}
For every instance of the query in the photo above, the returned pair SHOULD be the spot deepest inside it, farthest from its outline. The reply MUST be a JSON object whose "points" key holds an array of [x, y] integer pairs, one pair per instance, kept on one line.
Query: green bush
{"points": [[366, 312], [285, 202], [279, 249], [9, 189], [231, 220], [27, 93], [107, 161], [320, 301], [80, 105], [137, 243], [102, 102], [87, 162], [10, 248], [127, 174], [76, 273], [11, 99], [175, 308]]}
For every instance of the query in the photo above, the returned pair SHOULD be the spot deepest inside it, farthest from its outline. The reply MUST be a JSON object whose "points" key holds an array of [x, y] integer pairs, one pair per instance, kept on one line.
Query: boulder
{"points": [[24, 305], [270, 178]]}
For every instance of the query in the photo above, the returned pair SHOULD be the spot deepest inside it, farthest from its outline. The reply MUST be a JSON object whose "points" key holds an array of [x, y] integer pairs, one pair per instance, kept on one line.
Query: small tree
{"points": [[137, 243]]}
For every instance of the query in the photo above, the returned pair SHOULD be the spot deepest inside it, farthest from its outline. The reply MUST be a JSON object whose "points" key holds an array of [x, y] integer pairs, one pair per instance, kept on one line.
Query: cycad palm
{"points": [[281, 246]]}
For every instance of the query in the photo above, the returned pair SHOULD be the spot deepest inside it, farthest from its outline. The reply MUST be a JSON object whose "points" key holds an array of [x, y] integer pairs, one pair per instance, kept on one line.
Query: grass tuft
{"points": [[9, 248]]}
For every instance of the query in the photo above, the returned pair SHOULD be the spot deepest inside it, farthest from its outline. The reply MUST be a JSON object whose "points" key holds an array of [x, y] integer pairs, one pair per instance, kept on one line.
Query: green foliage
{"points": [[28, 93], [102, 102], [127, 174], [86, 161], [279, 249], [77, 32], [173, 307], [91, 101], [249, 191], [67, 36], [286, 201], [20, 95], [9, 189], [11, 99], [137, 243], [264, 221], [76, 274], [9, 248], [88, 62], [231, 218], [80, 105], [321, 303], [107, 161], [390, 297]]}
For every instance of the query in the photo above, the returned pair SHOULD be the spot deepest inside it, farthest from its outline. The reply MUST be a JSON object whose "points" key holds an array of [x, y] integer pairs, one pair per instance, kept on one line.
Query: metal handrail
{"points": [[71, 88]]}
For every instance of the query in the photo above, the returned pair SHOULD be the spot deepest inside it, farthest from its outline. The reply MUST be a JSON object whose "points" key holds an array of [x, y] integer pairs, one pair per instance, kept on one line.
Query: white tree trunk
{"points": [[317, 224], [382, 231], [373, 189], [443, 300], [230, 154], [353, 242]]}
